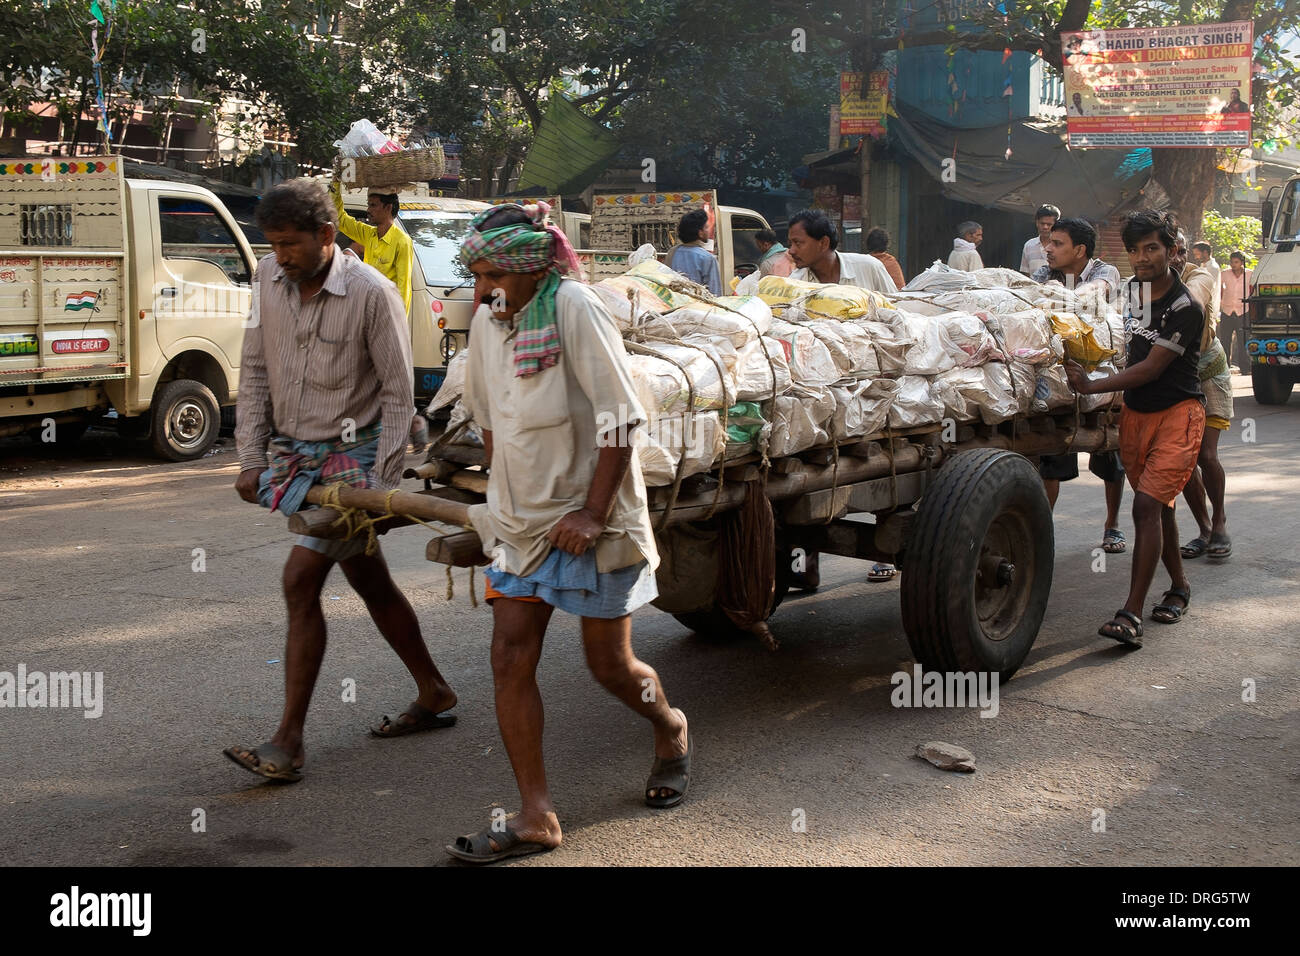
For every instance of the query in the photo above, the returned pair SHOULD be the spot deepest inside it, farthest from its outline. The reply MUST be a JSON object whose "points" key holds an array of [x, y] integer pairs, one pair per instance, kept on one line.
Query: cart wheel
{"points": [[1271, 384], [979, 565]]}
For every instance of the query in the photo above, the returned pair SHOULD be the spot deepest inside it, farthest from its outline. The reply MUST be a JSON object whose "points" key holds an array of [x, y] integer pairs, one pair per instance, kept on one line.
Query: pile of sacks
{"points": [[800, 364]]}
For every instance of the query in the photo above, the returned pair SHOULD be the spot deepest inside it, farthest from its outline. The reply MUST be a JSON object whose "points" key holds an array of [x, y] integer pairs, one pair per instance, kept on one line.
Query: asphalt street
{"points": [[98, 574]]}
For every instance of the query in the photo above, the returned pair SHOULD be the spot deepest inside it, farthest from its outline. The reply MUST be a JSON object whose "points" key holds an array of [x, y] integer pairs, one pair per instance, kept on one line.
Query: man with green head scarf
{"points": [[566, 523]]}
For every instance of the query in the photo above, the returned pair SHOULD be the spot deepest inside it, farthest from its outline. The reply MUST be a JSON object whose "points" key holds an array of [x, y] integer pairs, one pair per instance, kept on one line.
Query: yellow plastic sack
{"points": [[1080, 339], [835, 301], [650, 279]]}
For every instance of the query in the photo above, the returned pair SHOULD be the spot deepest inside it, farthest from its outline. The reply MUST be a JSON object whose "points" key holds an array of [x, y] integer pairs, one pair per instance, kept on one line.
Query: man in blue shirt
{"points": [[691, 258]]}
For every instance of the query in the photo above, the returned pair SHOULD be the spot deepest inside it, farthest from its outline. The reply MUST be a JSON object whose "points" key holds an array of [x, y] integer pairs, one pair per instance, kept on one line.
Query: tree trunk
{"points": [[1187, 175]]}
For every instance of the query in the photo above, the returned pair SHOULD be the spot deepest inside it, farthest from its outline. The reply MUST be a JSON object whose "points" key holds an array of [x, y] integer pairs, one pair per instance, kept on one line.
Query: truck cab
{"points": [[114, 292], [1273, 342]]}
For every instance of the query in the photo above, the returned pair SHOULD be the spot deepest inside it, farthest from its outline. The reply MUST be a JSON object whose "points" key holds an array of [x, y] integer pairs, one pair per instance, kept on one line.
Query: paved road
{"points": [[96, 565]]}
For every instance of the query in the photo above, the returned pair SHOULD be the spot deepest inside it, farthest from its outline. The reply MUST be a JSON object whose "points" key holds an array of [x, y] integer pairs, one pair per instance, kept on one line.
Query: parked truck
{"points": [[122, 294], [1273, 340]]}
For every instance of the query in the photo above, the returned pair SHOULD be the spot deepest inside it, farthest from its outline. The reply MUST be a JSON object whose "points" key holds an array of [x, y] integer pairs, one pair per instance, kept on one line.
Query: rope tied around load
{"points": [[354, 521]]}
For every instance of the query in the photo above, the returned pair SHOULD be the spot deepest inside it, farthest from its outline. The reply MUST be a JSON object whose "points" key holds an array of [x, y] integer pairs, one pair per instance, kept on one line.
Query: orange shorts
{"points": [[490, 594], [1159, 449]]}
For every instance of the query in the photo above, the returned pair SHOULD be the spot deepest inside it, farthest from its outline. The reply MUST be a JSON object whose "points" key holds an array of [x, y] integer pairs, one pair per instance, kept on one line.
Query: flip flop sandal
{"points": [[1220, 547], [477, 847], [423, 719], [1167, 613], [882, 572], [1194, 548], [266, 760], [674, 774], [1130, 633], [1112, 542]]}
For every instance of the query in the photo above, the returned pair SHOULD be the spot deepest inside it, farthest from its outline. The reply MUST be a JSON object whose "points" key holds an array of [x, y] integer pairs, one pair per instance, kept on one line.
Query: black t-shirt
{"points": [[1174, 321]]}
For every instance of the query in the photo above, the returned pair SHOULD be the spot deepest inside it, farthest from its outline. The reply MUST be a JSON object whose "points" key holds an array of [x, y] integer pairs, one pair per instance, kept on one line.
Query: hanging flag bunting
{"points": [[96, 11], [1006, 54]]}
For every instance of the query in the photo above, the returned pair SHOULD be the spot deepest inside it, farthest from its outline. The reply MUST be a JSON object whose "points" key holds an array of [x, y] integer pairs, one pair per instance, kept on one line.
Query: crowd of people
{"points": [[566, 517]]}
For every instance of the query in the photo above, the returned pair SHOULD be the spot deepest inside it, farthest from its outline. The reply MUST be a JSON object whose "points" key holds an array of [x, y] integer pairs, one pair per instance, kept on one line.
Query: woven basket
{"points": [[394, 170]]}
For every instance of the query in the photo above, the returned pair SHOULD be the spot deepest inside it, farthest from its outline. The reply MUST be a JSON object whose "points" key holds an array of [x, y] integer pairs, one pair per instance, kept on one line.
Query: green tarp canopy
{"points": [[569, 152]]}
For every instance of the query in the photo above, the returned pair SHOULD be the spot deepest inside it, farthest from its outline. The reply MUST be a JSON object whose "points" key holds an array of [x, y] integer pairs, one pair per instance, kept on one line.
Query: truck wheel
{"points": [[979, 565], [185, 420], [1271, 383]]}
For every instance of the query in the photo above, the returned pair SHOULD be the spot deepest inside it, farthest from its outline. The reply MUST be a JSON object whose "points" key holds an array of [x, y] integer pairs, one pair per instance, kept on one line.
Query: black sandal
{"points": [[1126, 633], [1167, 613], [1195, 548]]}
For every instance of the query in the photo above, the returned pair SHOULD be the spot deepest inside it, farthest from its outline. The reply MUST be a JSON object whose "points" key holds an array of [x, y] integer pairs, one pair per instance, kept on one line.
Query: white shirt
{"points": [[545, 430], [856, 269], [964, 256], [1033, 256]]}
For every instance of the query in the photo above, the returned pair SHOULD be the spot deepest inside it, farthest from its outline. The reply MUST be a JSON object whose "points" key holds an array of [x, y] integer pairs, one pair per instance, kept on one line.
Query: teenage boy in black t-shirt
{"points": [[1163, 418]]}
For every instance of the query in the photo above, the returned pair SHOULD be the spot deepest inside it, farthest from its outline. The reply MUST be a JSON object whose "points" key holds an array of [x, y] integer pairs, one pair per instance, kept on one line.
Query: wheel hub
{"points": [[188, 423]]}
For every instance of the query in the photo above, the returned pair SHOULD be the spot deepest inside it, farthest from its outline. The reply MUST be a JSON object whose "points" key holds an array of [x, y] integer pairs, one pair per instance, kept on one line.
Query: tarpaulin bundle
{"points": [[747, 563]]}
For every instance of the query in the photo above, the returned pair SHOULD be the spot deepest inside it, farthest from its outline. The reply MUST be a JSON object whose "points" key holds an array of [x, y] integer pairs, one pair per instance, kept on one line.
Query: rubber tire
{"points": [[165, 399], [938, 586], [1271, 383]]}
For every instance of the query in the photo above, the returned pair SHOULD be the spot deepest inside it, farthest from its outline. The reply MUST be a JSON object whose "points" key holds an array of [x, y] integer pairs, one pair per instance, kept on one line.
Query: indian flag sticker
{"points": [[79, 301]]}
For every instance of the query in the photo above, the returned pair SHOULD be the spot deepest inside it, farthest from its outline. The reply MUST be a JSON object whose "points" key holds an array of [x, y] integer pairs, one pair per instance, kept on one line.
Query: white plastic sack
{"points": [[1091, 403], [999, 301], [967, 334], [933, 352], [810, 360], [755, 371], [799, 419], [472, 433], [1027, 336], [660, 446], [1052, 390], [986, 392], [754, 319], [861, 408], [915, 404], [453, 386], [663, 388]]}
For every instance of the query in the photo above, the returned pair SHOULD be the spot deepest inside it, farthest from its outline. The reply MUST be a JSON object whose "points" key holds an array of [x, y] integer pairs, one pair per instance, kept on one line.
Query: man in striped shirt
{"points": [[325, 393]]}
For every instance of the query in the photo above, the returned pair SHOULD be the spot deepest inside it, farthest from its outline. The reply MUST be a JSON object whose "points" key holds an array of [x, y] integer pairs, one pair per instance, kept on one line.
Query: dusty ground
{"points": [[96, 558]]}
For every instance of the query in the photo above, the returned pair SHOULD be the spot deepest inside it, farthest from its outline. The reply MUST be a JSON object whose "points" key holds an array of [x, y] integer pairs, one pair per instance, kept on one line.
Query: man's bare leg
{"points": [[1053, 489], [1114, 497], [1147, 547], [1194, 495], [304, 577], [517, 633], [1170, 553], [1214, 479], [608, 645], [396, 620]]}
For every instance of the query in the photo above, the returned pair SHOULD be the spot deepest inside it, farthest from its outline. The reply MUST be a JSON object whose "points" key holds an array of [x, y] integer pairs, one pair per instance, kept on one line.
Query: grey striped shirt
{"points": [[308, 368]]}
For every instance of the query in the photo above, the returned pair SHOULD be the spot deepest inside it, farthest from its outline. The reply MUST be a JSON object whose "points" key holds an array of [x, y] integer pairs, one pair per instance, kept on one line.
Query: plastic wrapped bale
{"points": [[663, 387], [915, 404], [1091, 403], [966, 333], [649, 282], [1052, 390], [472, 434], [940, 277], [861, 408], [810, 361], [995, 277], [933, 352], [660, 446], [755, 371], [799, 419], [921, 303], [751, 318], [999, 301], [453, 386], [992, 393], [890, 343], [1027, 336], [825, 301]]}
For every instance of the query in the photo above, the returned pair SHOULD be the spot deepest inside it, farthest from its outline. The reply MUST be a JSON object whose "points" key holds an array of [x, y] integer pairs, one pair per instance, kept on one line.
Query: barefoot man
{"points": [[325, 396], [566, 522]]}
